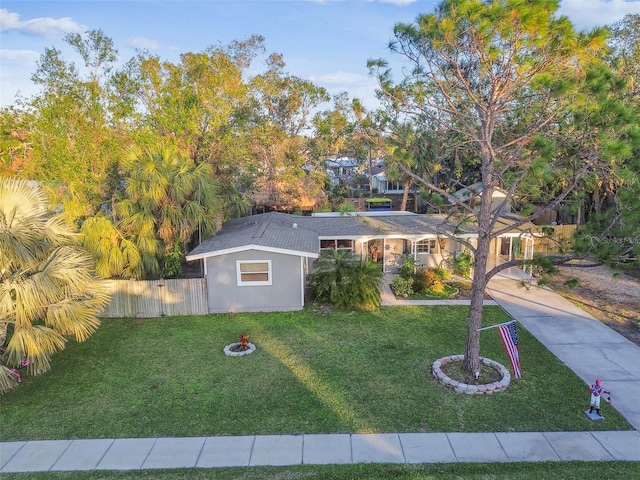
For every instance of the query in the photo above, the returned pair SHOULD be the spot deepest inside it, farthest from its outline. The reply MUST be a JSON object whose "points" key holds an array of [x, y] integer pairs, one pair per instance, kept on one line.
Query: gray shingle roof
{"points": [[277, 230], [300, 235], [270, 230]]}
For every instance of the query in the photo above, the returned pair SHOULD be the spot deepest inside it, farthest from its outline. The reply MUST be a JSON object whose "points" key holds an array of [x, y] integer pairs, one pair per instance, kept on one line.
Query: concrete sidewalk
{"points": [[215, 452], [585, 345]]}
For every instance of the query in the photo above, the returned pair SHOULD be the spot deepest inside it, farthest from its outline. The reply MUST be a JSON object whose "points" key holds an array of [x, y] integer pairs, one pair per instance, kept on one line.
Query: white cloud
{"points": [[143, 43], [39, 27], [586, 14], [21, 58]]}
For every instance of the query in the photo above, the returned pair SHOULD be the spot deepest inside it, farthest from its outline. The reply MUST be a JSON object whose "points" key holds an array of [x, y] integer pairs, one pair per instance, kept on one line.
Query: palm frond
{"points": [[73, 317], [8, 379], [341, 278], [47, 290], [37, 344]]}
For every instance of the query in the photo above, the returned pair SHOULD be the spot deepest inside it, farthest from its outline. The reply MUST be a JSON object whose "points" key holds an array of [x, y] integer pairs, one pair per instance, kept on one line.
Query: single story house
{"points": [[260, 262], [473, 193], [381, 184]]}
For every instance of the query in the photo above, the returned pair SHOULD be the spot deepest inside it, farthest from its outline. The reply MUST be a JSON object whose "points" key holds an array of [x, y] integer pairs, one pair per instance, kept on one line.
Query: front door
{"points": [[393, 250]]}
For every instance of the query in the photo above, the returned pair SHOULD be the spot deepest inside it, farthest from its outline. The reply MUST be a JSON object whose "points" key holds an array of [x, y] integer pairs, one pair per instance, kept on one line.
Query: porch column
{"points": [[529, 252]]}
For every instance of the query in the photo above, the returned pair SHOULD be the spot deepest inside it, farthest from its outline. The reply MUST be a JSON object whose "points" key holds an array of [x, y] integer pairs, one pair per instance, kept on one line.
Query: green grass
{"points": [[311, 373], [468, 471]]}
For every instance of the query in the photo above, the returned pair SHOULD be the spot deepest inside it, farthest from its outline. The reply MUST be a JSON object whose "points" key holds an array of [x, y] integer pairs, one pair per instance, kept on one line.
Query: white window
{"points": [[394, 186], [426, 246], [336, 244], [253, 273]]}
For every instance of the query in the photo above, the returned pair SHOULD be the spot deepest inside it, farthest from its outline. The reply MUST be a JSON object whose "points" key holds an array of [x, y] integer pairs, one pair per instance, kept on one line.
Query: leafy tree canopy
{"points": [[524, 93]]}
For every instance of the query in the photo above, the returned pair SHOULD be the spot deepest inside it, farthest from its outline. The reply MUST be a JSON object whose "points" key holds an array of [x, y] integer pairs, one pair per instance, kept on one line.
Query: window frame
{"points": [[394, 186], [254, 283], [335, 244], [432, 246]]}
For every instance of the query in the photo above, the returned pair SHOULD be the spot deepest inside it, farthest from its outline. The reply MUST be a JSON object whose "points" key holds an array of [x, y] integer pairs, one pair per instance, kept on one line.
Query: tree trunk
{"points": [[472, 351], [370, 177], [405, 194]]}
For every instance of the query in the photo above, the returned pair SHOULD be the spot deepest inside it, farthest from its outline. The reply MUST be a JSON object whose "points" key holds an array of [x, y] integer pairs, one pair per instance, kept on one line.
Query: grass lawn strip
{"points": [[468, 471], [312, 373]]}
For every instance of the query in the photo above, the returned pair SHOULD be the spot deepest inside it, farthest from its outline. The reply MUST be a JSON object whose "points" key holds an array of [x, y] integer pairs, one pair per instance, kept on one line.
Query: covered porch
{"points": [[434, 251], [512, 246], [428, 251]]}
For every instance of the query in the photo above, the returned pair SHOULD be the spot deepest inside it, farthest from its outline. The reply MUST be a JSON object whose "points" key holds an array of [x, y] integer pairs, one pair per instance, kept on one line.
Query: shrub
{"points": [[436, 288], [402, 286], [462, 264], [344, 280], [442, 273], [407, 265], [572, 282], [172, 265], [423, 280]]}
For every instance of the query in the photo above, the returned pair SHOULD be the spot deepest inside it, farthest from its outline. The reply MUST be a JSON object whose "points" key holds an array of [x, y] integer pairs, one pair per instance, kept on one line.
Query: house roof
{"points": [[382, 175], [273, 231], [373, 224], [475, 190], [300, 235], [378, 169], [341, 162]]}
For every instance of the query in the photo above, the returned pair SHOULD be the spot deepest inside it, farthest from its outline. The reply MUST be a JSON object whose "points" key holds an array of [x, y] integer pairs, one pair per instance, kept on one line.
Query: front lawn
{"points": [[467, 471], [311, 373]]}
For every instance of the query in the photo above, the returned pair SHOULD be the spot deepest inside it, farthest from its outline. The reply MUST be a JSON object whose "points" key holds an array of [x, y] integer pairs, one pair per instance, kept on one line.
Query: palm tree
{"points": [[47, 290], [168, 198], [344, 280], [414, 148], [115, 255], [166, 201]]}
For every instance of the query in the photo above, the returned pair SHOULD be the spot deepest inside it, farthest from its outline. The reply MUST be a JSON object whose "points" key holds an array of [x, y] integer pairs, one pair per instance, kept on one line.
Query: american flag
{"points": [[509, 338]]}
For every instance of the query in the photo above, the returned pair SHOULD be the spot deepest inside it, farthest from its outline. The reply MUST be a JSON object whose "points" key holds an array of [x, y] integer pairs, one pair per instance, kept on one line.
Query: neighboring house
{"points": [[473, 193], [381, 184], [259, 263], [342, 170]]}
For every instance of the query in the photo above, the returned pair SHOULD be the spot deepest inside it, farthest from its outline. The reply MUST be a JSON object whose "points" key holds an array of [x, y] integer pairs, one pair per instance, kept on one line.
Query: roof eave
{"points": [[244, 248]]}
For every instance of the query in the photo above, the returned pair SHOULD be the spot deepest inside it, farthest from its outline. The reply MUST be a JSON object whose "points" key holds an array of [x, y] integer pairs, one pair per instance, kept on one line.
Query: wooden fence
{"points": [[558, 238], [157, 298]]}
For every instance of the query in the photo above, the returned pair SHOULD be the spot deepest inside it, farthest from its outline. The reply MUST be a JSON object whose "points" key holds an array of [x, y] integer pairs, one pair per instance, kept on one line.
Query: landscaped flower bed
{"points": [[492, 378], [448, 291], [423, 283]]}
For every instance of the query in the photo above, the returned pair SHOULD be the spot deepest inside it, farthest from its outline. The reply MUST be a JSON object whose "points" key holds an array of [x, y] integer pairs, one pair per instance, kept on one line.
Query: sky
{"points": [[325, 41]]}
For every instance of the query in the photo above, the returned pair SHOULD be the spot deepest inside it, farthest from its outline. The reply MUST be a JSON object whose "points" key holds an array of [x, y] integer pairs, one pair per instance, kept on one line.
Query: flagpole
{"points": [[494, 326]]}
